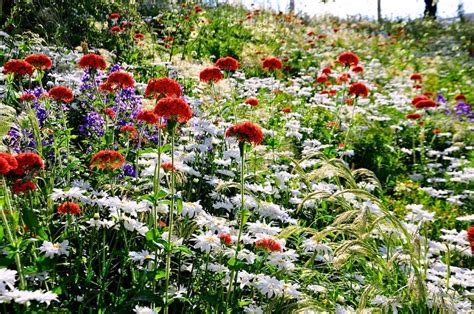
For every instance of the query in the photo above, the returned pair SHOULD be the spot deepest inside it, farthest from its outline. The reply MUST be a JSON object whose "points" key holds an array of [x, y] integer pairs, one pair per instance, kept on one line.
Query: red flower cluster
{"points": [[69, 208], [7, 163], [252, 101], [425, 103], [225, 238], [109, 112], [130, 129], [198, 9], [326, 70], [61, 94], [322, 78], [272, 63], [174, 109], [212, 75], [348, 59], [460, 97], [470, 238], [106, 88], [27, 97], [413, 116], [120, 79], [358, 69], [92, 61], [227, 64], [18, 68], [269, 244], [114, 16], [115, 29], [107, 159], [359, 89], [23, 186], [40, 61], [147, 116], [139, 36], [344, 77], [286, 110], [246, 132], [416, 77], [28, 164], [167, 166], [163, 87]]}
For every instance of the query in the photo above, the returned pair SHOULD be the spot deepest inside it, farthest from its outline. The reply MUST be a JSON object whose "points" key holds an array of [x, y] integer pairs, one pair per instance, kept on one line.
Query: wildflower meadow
{"points": [[216, 158]]}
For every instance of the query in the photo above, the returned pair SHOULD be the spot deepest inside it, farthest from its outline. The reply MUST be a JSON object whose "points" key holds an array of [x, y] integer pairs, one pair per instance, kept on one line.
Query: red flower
{"points": [[425, 103], [252, 101], [358, 69], [139, 36], [349, 101], [416, 77], [418, 86], [470, 238], [197, 9], [163, 87], [18, 68], [106, 88], [227, 64], [272, 63], [115, 29], [348, 59], [40, 61], [286, 109], [416, 99], [7, 163], [114, 16], [126, 24], [358, 89], [428, 94], [120, 79], [225, 238], [167, 166], [28, 164], [130, 129], [413, 116], [174, 109], [109, 112], [147, 116], [23, 186], [326, 70], [4, 166], [107, 159], [344, 77], [322, 78], [61, 94], [69, 208], [92, 61], [269, 244], [213, 75], [460, 97], [246, 132], [27, 97]]}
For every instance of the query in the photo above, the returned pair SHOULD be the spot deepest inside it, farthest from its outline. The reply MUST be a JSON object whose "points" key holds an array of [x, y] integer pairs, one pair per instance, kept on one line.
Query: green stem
{"points": [[10, 235], [170, 228], [233, 274]]}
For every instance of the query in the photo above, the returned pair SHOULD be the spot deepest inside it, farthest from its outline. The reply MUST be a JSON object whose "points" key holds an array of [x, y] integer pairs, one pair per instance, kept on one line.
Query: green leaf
{"points": [[160, 274], [1, 233]]}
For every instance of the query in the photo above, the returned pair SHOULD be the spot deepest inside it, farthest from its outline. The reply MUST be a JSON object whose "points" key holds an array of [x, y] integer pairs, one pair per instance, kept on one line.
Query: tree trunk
{"points": [[292, 6], [379, 11], [431, 6]]}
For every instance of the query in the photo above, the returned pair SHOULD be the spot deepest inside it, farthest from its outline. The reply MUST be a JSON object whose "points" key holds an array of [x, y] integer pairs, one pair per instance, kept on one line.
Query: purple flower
{"points": [[129, 171], [93, 125]]}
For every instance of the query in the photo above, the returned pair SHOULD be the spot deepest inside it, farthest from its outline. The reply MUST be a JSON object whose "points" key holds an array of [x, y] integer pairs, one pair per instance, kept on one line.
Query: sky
{"points": [[368, 8]]}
